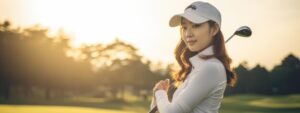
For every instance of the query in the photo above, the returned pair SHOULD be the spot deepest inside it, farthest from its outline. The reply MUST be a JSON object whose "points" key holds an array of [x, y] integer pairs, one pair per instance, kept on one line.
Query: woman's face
{"points": [[196, 36]]}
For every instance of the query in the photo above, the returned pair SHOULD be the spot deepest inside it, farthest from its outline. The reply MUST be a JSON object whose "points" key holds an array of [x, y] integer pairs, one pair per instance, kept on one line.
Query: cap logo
{"points": [[191, 6]]}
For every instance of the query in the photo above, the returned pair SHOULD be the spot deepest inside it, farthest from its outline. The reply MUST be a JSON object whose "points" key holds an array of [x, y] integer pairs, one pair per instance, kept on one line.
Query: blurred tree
{"points": [[260, 80], [286, 77]]}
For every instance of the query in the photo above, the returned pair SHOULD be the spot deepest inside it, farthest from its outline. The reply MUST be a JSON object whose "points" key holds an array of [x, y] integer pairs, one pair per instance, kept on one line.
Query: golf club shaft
{"points": [[230, 38]]}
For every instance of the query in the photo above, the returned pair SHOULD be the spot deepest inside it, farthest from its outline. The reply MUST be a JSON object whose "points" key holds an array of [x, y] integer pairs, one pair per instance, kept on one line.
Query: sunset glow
{"points": [[144, 23]]}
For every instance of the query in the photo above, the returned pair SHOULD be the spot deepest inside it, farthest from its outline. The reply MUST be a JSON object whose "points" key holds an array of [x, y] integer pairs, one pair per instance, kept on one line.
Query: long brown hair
{"points": [[182, 54]]}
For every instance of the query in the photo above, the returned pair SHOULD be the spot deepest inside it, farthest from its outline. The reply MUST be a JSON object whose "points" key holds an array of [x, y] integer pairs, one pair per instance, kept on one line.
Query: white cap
{"points": [[198, 12]]}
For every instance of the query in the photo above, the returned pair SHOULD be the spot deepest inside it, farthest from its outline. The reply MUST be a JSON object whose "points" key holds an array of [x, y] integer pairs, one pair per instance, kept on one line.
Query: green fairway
{"points": [[261, 104], [54, 109], [232, 104]]}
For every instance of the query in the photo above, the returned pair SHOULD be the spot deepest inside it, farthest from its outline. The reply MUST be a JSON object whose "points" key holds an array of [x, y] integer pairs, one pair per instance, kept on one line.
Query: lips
{"points": [[191, 42]]}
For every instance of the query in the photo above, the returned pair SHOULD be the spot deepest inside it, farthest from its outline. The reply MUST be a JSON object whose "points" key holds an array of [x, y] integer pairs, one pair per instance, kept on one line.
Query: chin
{"points": [[192, 49]]}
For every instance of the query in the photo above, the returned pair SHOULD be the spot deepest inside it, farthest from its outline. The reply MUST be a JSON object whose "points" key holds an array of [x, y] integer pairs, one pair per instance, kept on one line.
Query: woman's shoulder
{"points": [[213, 63], [214, 66]]}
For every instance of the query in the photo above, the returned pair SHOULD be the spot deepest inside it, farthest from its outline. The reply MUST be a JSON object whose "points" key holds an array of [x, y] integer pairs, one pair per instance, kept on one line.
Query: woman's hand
{"points": [[162, 84]]}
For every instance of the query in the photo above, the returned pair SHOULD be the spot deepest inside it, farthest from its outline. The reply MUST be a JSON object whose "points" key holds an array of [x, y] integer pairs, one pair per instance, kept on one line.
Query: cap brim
{"points": [[176, 19]]}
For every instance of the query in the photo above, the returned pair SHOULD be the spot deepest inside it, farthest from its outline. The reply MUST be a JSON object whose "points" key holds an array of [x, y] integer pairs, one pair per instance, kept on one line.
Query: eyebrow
{"points": [[182, 22]]}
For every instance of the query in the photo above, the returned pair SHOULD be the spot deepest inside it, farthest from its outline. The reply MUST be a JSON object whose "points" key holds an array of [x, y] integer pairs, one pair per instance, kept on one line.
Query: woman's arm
{"points": [[198, 88]]}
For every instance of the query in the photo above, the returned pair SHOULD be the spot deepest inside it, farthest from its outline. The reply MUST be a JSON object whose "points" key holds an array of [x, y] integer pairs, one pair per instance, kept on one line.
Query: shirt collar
{"points": [[196, 58]]}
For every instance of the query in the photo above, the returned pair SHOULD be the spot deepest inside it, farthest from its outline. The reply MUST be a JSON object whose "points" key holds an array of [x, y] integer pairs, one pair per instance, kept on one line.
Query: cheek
{"points": [[182, 37], [202, 35]]}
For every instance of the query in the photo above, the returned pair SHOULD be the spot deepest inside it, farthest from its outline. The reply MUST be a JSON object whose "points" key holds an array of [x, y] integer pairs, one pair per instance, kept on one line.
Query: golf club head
{"points": [[243, 31]]}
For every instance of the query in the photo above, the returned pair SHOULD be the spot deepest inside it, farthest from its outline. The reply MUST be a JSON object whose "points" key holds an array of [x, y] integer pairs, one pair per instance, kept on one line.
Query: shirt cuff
{"points": [[160, 94], [152, 104]]}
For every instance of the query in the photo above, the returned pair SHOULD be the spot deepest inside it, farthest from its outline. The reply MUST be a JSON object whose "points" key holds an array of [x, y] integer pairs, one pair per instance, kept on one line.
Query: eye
{"points": [[183, 28], [197, 25]]}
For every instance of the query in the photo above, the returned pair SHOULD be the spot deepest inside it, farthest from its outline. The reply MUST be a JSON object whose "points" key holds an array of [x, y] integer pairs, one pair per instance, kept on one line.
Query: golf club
{"points": [[243, 31]]}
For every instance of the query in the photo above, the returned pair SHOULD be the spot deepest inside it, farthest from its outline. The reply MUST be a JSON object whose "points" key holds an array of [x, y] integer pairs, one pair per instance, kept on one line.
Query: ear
{"points": [[215, 29]]}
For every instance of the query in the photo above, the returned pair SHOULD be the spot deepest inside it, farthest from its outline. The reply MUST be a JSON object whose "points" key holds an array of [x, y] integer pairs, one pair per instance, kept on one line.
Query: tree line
{"points": [[283, 79], [36, 65]]}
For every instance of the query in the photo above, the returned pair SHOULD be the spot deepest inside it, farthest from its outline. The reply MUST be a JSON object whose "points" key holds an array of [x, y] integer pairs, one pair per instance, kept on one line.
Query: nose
{"points": [[188, 33]]}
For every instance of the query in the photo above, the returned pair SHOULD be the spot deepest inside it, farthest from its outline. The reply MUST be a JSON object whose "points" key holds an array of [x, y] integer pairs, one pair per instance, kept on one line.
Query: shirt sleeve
{"points": [[152, 104], [201, 83]]}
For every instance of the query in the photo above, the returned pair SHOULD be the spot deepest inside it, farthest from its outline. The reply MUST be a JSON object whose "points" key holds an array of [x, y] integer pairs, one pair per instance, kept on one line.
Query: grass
{"points": [[261, 104], [232, 104], [54, 109]]}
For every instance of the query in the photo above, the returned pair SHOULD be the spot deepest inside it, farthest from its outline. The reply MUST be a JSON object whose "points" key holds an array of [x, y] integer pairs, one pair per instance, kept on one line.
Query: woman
{"points": [[205, 65]]}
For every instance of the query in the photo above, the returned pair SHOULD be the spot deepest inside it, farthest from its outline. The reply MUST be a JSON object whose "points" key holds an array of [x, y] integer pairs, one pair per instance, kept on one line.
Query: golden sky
{"points": [[144, 23]]}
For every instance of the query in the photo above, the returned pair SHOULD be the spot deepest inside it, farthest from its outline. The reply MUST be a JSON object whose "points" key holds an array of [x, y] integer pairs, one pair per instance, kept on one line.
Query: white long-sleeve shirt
{"points": [[201, 92]]}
